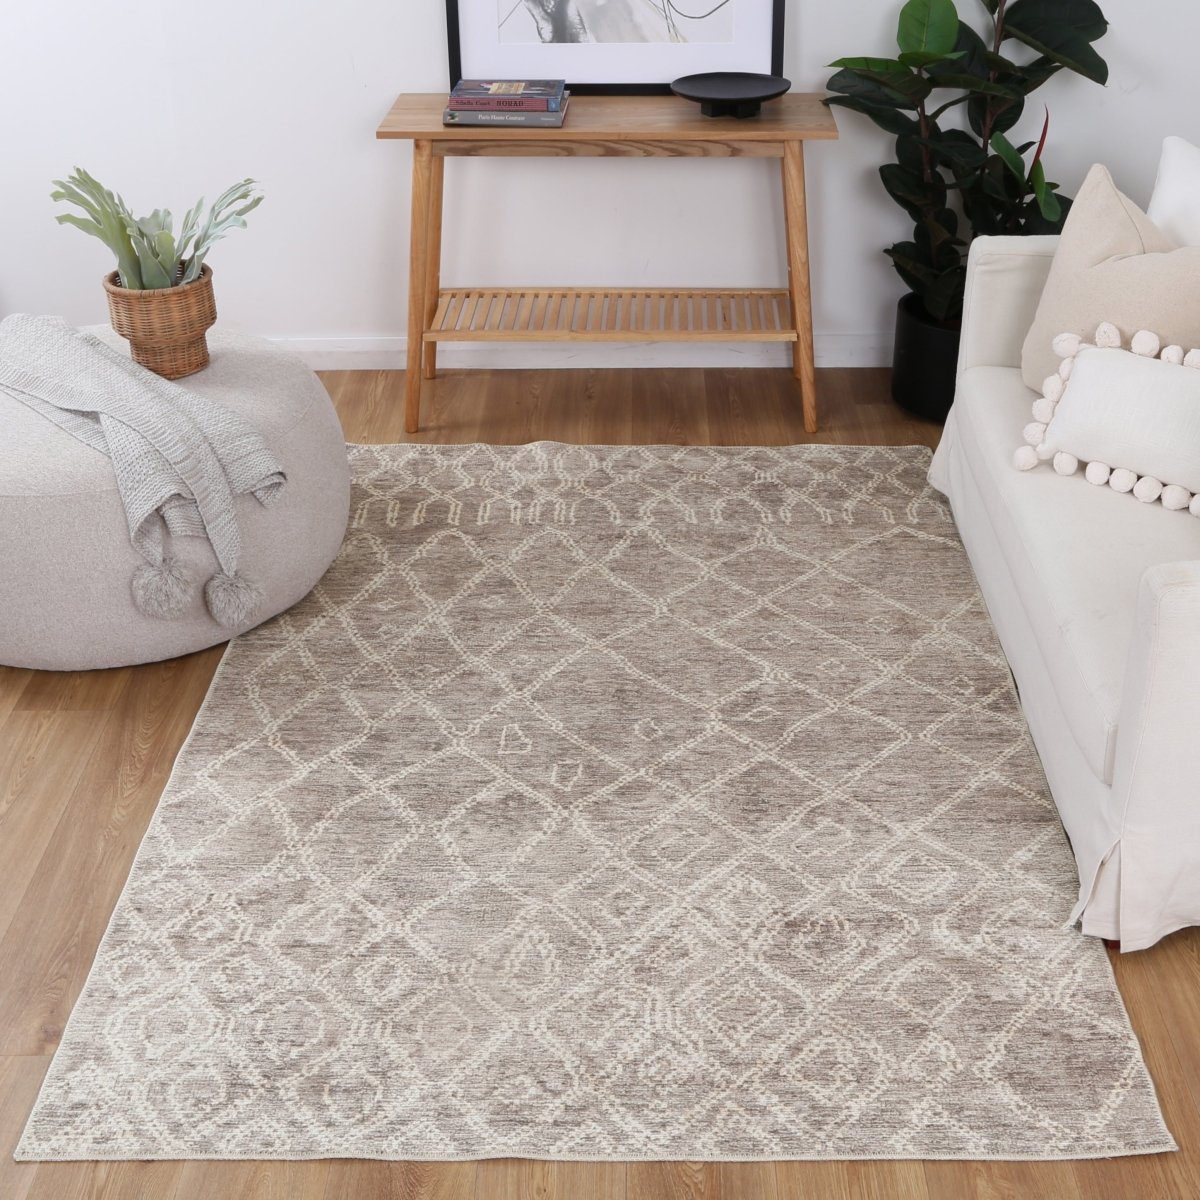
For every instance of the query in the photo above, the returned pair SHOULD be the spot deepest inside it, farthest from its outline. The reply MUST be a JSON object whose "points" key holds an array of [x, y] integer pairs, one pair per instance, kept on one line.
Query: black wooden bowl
{"points": [[730, 93]]}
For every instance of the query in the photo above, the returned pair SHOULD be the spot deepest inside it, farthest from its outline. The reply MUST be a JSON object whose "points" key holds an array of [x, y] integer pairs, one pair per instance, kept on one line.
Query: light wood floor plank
{"points": [[1001, 1180], [674, 1181], [13, 682], [748, 1181], [51, 937], [518, 1179], [1160, 1176], [42, 755], [83, 757], [75, 691], [254, 1181], [800, 1181], [20, 1079], [401, 1181]]}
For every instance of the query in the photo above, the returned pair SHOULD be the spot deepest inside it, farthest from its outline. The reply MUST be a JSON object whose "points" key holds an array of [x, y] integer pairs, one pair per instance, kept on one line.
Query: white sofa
{"points": [[1096, 599]]}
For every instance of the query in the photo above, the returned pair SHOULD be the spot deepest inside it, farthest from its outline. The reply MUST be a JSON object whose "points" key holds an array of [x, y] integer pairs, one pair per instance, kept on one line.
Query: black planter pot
{"points": [[924, 362]]}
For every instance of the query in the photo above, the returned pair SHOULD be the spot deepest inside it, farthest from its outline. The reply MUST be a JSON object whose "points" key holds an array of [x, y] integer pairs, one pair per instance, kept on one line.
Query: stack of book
{"points": [[524, 102]]}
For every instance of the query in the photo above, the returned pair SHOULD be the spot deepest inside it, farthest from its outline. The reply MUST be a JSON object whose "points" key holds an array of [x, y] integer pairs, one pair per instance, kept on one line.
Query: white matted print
{"points": [[619, 44], [622, 21]]}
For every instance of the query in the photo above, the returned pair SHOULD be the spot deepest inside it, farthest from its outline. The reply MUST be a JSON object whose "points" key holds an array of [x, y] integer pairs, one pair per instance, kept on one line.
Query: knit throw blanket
{"points": [[179, 459]]}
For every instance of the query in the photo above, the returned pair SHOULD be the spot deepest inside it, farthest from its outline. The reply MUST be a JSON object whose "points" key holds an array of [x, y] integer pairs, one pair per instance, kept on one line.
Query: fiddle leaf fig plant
{"points": [[950, 97], [148, 252]]}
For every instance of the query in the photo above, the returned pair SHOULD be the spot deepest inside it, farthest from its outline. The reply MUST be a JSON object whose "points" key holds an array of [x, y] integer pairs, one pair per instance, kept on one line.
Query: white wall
{"points": [[168, 101]]}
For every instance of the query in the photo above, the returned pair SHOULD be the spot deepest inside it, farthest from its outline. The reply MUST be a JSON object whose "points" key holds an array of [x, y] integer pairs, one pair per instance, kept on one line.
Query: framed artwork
{"points": [[612, 46]]}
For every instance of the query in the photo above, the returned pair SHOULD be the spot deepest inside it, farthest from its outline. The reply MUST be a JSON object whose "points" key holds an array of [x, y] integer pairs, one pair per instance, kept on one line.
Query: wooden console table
{"points": [[629, 126]]}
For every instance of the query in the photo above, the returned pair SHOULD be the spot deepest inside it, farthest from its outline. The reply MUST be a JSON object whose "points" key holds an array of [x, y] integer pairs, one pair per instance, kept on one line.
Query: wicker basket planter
{"points": [[165, 326]]}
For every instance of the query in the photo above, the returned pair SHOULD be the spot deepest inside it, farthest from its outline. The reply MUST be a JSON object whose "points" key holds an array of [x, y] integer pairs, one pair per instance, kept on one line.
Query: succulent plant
{"points": [[149, 255]]}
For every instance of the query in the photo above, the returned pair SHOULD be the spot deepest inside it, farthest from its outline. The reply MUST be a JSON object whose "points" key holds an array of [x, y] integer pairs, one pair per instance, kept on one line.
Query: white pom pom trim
{"points": [[1146, 344], [1148, 489], [1066, 345], [1175, 497], [1037, 449], [1052, 388], [1043, 410]]}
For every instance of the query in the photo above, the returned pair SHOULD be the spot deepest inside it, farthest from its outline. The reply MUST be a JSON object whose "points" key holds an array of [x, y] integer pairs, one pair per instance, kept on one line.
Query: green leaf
{"points": [[891, 120], [1063, 31], [910, 154], [880, 66], [958, 150], [79, 223], [1009, 156], [970, 54], [1005, 113], [996, 182], [907, 86], [154, 274], [187, 231], [1034, 74], [1043, 192], [1036, 223], [920, 59], [978, 86], [944, 299], [911, 191], [917, 274], [927, 26], [852, 83], [109, 220]]}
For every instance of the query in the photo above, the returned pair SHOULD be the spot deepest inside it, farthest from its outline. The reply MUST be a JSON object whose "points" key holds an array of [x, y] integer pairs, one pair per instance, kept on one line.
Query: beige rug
{"points": [[609, 803]]}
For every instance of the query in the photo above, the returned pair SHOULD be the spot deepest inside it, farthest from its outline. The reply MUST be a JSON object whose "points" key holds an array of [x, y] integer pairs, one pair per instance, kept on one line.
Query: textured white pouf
{"points": [[65, 558]]}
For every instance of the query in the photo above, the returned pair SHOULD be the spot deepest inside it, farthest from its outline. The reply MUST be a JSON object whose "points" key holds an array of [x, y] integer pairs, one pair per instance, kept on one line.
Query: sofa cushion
{"points": [[1113, 264], [1124, 415], [1175, 205], [1076, 554]]}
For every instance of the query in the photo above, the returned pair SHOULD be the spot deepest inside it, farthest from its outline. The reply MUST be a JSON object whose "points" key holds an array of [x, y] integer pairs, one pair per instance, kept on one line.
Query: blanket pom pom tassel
{"points": [[162, 589], [232, 599]]}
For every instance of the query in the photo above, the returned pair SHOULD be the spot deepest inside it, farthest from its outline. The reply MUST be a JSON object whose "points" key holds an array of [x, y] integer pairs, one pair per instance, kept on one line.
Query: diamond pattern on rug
{"points": [[609, 803]]}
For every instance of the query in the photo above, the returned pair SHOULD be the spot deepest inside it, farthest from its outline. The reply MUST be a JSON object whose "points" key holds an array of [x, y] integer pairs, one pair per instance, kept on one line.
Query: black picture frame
{"points": [[454, 42]]}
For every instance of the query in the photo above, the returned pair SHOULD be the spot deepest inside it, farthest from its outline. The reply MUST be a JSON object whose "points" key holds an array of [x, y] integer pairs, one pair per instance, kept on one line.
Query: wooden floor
{"points": [[84, 757]]}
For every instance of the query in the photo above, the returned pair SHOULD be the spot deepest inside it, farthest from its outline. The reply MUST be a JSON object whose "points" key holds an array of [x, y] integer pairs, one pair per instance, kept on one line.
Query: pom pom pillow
{"points": [[1131, 416], [1175, 205], [1113, 264]]}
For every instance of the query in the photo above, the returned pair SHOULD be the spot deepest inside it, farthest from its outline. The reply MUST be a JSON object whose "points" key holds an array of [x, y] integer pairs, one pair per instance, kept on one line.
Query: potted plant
{"points": [[954, 182], [160, 296]]}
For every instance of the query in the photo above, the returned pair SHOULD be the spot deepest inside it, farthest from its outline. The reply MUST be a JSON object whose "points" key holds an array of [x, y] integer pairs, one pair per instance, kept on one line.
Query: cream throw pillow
{"points": [[1175, 205], [1132, 416], [1113, 264]]}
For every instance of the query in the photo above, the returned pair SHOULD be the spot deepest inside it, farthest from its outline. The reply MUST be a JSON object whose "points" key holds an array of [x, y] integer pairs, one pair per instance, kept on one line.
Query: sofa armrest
{"points": [[1005, 278], [1156, 782]]}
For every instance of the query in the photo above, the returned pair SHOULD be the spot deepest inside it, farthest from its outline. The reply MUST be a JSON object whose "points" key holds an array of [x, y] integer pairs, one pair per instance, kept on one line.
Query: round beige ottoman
{"points": [[66, 562]]}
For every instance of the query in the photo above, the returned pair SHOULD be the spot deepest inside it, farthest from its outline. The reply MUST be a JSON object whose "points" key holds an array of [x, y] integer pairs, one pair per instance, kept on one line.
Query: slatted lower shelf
{"points": [[611, 315]]}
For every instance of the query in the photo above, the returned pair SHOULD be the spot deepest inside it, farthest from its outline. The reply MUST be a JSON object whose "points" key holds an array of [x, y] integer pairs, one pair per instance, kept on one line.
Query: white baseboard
{"points": [[389, 353]]}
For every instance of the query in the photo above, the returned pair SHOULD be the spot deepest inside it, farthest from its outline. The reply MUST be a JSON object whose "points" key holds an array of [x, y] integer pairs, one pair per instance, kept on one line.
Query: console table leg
{"points": [[418, 255], [433, 265], [796, 213]]}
